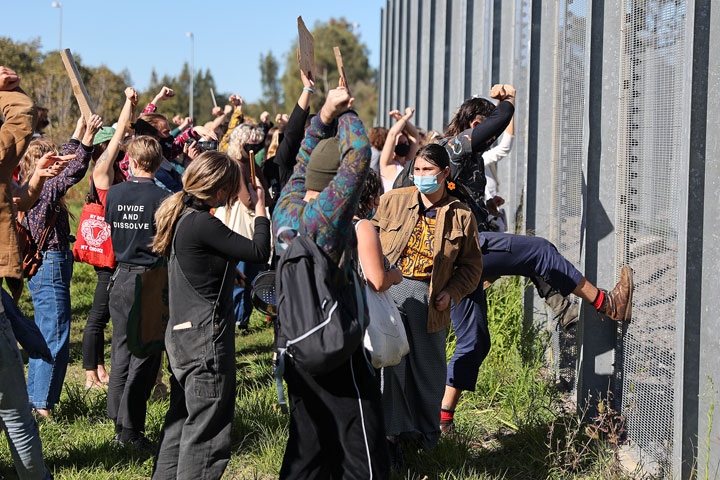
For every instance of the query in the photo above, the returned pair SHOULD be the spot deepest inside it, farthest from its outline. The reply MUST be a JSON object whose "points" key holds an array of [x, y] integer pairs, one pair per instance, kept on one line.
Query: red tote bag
{"points": [[93, 244]]}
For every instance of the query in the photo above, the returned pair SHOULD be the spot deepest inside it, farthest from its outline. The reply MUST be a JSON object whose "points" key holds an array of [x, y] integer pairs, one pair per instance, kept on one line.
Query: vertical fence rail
{"points": [[600, 167]]}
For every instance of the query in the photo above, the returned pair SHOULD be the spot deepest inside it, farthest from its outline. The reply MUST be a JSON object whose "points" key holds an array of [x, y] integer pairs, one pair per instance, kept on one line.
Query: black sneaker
{"points": [[397, 458], [139, 444]]}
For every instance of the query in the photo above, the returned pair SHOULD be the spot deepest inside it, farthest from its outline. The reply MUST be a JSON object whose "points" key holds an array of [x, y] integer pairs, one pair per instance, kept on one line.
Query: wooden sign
{"points": [[306, 45], [78, 86], [252, 169], [341, 68]]}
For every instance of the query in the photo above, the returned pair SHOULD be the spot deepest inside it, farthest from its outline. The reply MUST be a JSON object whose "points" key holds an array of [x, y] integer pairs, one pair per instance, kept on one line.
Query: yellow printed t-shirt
{"points": [[416, 261]]}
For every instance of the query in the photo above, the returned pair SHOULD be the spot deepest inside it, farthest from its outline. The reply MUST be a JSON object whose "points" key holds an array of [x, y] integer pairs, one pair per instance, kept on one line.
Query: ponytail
{"points": [[165, 218], [206, 175]]}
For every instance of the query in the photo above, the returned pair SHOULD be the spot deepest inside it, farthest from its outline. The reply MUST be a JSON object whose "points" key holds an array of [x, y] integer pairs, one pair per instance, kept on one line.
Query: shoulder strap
{"points": [[183, 215], [48, 228], [92, 196]]}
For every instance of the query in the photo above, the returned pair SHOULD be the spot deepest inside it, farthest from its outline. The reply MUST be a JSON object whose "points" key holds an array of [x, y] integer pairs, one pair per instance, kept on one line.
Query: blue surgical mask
{"points": [[371, 214], [427, 184]]}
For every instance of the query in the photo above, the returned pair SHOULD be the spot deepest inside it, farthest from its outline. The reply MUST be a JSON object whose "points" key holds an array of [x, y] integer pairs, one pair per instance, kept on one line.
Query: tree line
{"points": [[44, 78]]}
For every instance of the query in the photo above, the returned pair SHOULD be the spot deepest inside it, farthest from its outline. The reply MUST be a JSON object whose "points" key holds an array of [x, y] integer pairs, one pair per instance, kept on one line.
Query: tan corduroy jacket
{"points": [[15, 135], [457, 262]]}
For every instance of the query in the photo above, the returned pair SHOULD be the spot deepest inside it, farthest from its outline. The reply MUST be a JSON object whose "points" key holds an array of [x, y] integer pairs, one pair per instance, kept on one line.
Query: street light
{"points": [[192, 70], [58, 5]]}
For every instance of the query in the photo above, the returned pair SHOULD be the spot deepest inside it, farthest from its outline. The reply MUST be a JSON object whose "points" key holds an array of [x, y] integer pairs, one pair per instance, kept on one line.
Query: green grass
{"points": [[516, 425]]}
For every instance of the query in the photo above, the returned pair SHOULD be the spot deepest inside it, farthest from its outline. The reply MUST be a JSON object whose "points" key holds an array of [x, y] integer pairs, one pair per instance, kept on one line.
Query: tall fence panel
{"points": [[611, 163]]}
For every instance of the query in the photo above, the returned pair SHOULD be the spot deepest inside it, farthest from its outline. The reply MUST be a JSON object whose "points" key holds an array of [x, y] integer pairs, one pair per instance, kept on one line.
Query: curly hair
{"points": [[371, 189], [242, 134], [377, 136]]}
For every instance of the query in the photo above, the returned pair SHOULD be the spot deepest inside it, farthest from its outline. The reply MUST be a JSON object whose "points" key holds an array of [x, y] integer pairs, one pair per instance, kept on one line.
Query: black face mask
{"points": [[167, 145], [42, 124], [253, 147], [402, 149]]}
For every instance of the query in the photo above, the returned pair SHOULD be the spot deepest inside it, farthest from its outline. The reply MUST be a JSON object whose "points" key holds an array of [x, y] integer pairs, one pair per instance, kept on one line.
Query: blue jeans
{"points": [[15, 415], [50, 291], [242, 296]]}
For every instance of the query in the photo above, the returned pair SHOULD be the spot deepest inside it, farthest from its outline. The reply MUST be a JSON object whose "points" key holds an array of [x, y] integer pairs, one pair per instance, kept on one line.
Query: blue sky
{"points": [[139, 35]]}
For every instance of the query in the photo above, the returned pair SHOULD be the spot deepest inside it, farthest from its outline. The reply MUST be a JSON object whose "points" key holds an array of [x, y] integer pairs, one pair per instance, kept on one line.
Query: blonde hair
{"points": [[272, 149], [34, 152], [147, 152], [206, 175], [241, 135], [432, 136]]}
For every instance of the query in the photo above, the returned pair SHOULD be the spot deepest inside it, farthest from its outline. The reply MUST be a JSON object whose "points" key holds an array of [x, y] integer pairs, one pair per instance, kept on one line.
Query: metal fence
{"points": [[611, 163]]}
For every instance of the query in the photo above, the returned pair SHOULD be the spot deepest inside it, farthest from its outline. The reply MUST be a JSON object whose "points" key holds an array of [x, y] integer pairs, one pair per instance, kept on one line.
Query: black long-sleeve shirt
{"points": [[204, 246], [485, 133], [466, 164], [287, 152]]}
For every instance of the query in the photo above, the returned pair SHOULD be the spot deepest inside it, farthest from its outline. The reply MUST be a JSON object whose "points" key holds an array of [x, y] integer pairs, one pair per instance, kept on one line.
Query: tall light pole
{"points": [[58, 5], [192, 70]]}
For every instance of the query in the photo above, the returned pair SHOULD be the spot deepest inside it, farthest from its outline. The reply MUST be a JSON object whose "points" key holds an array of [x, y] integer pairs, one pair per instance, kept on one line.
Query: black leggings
{"points": [[93, 343]]}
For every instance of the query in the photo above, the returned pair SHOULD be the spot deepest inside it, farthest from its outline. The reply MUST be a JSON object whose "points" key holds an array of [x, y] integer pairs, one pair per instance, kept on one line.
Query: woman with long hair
{"points": [[376, 269], [200, 341], [50, 286], [431, 236]]}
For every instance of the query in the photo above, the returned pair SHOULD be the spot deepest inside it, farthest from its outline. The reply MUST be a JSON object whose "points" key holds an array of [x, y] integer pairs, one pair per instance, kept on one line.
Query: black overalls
{"points": [[200, 343]]}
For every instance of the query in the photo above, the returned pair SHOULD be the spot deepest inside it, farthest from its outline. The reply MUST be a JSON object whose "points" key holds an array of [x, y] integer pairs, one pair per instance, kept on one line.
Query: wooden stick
{"points": [[252, 169], [213, 97], [78, 86], [306, 47], [341, 68]]}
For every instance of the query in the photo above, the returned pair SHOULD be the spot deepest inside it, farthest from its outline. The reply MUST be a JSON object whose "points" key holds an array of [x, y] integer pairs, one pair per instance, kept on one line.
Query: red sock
{"points": [[599, 300], [446, 415]]}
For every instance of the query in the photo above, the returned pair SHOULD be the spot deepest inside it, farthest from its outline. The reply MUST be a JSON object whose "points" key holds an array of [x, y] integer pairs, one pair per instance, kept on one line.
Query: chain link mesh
{"points": [[646, 221], [567, 160]]}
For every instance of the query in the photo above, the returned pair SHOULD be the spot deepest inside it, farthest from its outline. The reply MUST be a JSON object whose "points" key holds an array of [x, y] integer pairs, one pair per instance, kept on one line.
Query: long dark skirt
{"points": [[413, 389]]}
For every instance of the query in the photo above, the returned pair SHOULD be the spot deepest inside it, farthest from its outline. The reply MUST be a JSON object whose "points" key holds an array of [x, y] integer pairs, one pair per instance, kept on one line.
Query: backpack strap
{"points": [[48, 228]]}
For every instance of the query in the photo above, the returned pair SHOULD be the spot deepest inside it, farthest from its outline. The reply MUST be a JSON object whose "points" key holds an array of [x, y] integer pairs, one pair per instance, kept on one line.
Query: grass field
{"points": [[515, 426]]}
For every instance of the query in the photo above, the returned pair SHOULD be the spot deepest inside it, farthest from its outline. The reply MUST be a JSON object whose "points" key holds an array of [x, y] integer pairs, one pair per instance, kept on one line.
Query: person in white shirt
{"points": [[491, 157], [401, 144]]}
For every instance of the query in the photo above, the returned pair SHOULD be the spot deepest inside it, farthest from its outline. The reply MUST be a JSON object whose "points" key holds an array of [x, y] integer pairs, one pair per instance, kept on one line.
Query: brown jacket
{"points": [[457, 265], [15, 135]]}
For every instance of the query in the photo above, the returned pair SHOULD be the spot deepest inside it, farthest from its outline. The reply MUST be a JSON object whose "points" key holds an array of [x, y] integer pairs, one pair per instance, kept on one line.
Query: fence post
{"points": [[597, 335]]}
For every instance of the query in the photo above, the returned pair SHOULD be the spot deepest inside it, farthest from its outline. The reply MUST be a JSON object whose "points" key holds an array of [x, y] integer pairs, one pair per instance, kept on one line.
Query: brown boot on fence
{"points": [[617, 303]]}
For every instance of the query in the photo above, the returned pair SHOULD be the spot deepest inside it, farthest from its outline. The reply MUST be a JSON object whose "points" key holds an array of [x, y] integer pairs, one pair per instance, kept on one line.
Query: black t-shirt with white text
{"points": [[130, 211]]}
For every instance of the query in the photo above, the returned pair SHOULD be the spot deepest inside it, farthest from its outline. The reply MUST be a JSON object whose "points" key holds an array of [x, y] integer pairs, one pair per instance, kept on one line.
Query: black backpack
{"points": [[321, 316]]}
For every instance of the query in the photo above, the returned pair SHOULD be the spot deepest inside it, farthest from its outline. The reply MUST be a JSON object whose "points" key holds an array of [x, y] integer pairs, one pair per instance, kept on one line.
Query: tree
{"points": [[269, 70], [45, 80], [361, 78], [179, 104]]}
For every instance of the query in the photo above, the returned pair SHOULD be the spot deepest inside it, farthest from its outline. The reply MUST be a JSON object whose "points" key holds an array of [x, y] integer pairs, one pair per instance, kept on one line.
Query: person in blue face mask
{"points": [[430, 236]]}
